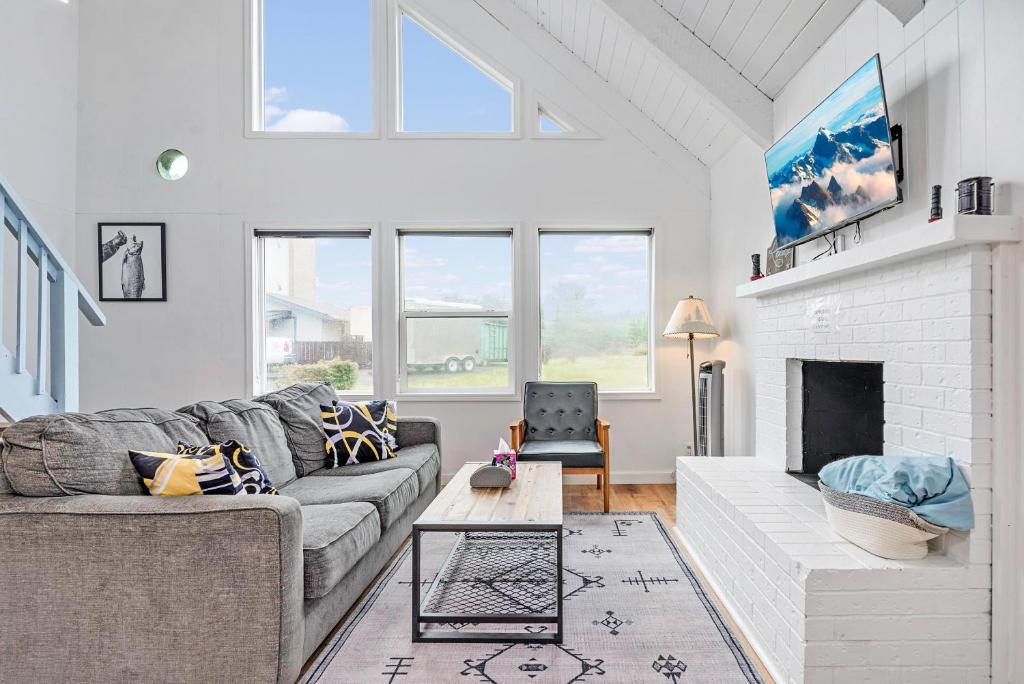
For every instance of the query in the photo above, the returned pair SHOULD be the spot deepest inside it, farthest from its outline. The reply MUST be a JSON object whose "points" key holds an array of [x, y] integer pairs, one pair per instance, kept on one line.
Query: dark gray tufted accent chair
{"points": [[560, 423]]}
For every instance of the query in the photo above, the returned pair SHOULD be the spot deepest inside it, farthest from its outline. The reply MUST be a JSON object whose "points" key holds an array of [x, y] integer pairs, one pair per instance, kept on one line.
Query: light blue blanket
{"points": [[931, 486]]}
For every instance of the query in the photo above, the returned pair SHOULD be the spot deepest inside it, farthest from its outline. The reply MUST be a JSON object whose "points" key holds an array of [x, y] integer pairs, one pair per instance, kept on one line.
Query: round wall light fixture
{"points": [[172, 164]]}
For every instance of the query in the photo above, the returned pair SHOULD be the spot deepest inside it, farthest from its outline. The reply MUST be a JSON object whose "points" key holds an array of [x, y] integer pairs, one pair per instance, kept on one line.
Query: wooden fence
{"points": [[352, 348]]}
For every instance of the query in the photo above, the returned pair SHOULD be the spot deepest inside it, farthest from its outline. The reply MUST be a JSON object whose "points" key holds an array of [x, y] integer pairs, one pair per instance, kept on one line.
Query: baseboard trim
{"points": [[737, 618]]}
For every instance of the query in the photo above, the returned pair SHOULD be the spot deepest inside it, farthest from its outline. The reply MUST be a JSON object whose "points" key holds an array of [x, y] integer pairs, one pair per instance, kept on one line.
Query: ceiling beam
{"points": [[904, 10], [695, 62]]}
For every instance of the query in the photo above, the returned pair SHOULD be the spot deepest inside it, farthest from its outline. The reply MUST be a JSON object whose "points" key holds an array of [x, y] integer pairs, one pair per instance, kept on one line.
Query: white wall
{"points": [[738, 229], [952, 79], [156, 75], [38, 85], [38, 92]]}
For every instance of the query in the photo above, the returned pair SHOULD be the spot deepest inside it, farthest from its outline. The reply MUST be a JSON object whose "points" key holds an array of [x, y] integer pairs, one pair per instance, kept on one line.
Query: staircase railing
{"points": [[51, 384]]}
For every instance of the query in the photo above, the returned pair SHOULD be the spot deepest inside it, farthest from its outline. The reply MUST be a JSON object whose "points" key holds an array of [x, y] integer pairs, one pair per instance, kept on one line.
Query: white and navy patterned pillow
{"points": [[359, 432], [254, 478]]}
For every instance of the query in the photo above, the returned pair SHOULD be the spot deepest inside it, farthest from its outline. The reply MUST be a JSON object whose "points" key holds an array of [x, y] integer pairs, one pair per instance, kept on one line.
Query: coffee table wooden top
{"points": [[535, 498]]}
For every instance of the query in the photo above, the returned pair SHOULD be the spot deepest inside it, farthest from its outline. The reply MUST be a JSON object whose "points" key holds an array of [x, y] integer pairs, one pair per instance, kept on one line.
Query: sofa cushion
{"points": [[391, 492], [423, 459], [87, 453], [334, 538], [254, 424], [572, 453], [5, 484], [298, 407]]}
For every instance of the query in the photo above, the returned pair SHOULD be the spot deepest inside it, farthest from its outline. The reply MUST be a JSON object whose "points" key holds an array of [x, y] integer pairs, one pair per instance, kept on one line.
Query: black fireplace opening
{"points": [[843, 412]]}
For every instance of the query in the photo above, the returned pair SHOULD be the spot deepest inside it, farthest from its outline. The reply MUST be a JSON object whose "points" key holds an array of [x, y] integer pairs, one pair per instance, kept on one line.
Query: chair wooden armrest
{"points": [[603, 428], [518, 429]]}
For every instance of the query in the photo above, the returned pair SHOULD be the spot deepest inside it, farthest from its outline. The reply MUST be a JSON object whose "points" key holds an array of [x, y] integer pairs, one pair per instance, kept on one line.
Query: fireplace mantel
{"points": [[951, 232]]}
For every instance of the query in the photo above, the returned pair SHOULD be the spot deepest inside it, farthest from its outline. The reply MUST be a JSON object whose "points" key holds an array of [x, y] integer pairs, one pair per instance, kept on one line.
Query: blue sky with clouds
{"points": [[612, 270], [861, 93], [318, 74]]}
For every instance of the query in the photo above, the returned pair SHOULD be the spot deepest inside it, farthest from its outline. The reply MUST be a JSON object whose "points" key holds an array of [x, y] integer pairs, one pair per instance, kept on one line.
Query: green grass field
{"points": [[611, 372], [482, 376], [620, 371]]}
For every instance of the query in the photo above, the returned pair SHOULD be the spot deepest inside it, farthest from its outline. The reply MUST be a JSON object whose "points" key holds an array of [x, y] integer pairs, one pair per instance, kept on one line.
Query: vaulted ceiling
{"points": [[704, 71]]}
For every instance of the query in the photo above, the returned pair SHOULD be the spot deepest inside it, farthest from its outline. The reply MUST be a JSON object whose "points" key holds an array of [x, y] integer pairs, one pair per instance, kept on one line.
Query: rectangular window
{"points": [[316, 62], [456, 310], [595, 299], [315, 292]]}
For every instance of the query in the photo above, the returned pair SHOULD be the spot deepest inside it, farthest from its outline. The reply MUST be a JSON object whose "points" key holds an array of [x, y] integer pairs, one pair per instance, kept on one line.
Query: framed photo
{"points": [[132, 262], [779, 259]]}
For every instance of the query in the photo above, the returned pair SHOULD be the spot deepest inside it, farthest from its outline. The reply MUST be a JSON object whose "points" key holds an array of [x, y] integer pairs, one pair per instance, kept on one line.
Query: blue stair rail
{"points": [[51, 384]]}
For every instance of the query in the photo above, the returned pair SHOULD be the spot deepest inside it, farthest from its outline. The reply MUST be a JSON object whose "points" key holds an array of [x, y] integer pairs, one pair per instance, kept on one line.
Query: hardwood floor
{"points": [[660, 498]]}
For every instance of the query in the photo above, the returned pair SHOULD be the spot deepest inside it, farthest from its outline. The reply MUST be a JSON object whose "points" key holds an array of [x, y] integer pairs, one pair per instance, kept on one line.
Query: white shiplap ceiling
{"points": [[765, 40], [645, 49]]}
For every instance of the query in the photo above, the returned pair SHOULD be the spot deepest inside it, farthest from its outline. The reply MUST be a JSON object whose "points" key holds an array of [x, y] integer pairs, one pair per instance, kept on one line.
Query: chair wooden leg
{"points": [[607, 486], [599, 480]]}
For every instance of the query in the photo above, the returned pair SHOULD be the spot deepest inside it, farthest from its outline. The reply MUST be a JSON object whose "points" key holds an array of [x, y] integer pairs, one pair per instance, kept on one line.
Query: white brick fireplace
{"points": [[815, 607]]}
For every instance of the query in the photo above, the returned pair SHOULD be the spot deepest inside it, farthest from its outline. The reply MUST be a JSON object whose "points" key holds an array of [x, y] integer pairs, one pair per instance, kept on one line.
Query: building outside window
{"points": [[315, 298], [456, 310]]}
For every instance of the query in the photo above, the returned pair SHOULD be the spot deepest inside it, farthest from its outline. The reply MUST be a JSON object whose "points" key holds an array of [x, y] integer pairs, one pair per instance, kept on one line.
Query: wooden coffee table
{"points": [[506, 564]]}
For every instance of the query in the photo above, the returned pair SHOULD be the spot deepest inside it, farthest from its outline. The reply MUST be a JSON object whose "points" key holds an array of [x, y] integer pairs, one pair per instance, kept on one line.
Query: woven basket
{"points": [[885, 529]]}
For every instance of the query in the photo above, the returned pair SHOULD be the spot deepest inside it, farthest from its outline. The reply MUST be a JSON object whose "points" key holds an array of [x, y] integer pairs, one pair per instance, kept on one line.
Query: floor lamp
{"points": [[691, 320]]}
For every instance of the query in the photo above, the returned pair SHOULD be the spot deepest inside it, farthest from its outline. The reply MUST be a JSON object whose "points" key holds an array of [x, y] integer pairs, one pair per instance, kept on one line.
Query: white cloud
{"points": [[872, 174], [309, 120], [275, 94]]}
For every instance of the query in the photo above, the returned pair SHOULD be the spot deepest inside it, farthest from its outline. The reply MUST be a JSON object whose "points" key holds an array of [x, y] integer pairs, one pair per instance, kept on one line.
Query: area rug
{"points": [[634, 612]]}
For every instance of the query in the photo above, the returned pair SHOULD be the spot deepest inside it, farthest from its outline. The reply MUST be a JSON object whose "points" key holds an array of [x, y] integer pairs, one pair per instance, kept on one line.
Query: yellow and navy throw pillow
{"points": [[254, 478], [181, 475], [359, 432]]}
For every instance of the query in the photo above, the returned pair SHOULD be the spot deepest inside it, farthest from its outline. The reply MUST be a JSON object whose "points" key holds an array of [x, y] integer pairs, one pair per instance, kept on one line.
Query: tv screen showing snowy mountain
{"points": [[836, 165]]}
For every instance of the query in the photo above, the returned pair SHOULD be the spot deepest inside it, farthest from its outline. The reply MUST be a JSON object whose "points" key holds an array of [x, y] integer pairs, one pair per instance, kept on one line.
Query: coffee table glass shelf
{"points": [[505, 566]]}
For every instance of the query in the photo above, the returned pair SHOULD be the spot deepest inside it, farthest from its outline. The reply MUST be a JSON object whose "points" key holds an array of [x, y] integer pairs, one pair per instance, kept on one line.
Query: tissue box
{"points": [[506, 459]]}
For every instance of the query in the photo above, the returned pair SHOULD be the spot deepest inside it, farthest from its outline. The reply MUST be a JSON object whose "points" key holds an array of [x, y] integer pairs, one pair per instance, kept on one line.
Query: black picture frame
{"points": [[107, 232]]}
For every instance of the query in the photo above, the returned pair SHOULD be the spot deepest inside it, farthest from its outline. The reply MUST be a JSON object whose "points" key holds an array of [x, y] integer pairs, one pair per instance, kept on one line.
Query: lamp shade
{"points": [[690, 317]]}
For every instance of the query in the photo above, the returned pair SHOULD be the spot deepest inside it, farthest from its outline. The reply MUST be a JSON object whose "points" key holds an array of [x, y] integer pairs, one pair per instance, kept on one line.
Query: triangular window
{"points": [[445, 89], [549, 123]]}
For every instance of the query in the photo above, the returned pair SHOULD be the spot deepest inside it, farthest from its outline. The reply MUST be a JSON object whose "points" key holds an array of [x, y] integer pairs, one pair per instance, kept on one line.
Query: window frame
{"points": [[539, 102], [455, 229], [255, 84], [651, 391], [256, 380], [467, 50]]}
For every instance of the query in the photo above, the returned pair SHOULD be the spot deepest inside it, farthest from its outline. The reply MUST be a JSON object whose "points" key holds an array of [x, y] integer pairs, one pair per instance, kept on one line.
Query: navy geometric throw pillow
{"points": [[254, 478]]}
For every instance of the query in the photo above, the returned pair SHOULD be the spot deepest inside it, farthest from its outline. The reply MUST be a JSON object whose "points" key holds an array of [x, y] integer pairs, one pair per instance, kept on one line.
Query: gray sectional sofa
{"points": [[100, 582]]}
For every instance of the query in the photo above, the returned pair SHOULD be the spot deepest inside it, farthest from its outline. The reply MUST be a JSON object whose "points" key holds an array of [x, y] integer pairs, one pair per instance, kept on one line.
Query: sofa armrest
{"points": [[114, 588], [416, 430]]}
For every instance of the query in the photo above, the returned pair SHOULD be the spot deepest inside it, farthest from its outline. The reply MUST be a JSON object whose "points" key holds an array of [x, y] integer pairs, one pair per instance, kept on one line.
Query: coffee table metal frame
{"points": [[453, 636]]}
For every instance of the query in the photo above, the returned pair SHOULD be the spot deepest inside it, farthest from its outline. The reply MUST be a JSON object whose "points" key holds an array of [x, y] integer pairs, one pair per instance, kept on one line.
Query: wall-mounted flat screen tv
{"points": [[836, 166]]}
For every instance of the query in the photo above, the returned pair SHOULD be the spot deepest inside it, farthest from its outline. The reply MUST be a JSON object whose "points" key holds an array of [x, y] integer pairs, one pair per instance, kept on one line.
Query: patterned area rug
{"points": [[634, 612]]}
